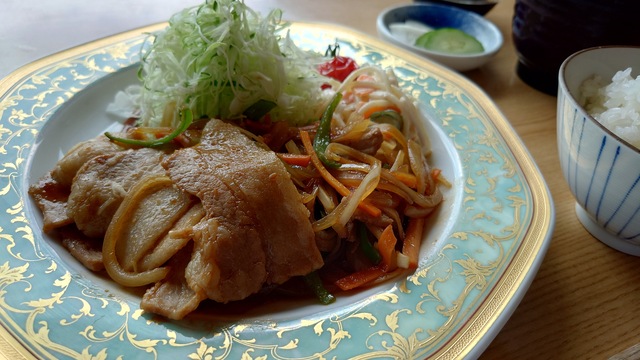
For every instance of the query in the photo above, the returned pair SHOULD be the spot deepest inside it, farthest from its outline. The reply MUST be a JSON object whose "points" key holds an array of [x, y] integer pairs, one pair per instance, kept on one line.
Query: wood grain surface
{"points": [[585, 300]]}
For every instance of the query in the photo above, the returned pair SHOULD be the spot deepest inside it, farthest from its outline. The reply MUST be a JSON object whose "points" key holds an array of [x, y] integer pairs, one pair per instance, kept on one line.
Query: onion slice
{"points": [[127, 218], [339, 217]]}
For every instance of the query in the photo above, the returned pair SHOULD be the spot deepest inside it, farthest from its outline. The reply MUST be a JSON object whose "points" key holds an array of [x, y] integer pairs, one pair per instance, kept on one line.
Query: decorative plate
{"points": [[481, 251]]}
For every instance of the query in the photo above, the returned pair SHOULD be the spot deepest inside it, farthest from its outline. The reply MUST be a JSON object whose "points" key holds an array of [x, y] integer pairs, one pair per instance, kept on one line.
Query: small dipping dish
{"points": [[436, 16]]}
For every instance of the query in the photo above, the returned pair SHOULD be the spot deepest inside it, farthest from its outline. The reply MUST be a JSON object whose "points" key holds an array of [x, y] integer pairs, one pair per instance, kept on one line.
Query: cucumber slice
{"points": [[450, 40]]}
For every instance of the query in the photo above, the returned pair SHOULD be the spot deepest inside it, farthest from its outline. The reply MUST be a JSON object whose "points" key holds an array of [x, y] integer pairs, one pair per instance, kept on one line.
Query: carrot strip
{"points": [[412, 240], [360, 278], [365, 77], [295, 159], [391, 132], [362, 91], [145, 133], [435, 174], [326, 175], [374, 109], [408, 179], [387, 248]]}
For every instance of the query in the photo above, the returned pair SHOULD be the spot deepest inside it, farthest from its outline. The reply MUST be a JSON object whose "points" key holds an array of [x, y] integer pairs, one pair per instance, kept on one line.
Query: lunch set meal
{"points": [[247, 164], [615, 104]]}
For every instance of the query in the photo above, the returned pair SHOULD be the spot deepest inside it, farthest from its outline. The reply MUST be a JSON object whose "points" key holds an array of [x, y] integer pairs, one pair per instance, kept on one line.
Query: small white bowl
{"points": [[602, 170], [437, 16]]}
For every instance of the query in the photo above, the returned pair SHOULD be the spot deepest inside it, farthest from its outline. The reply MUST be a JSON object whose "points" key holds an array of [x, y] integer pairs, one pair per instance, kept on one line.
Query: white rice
{"points": [[615, 104]]}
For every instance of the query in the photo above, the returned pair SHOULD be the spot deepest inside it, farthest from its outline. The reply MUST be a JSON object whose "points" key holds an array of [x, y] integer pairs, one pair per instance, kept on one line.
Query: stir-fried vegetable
{"points": [[412, 240], [259, 109], [330, 179], [323, 135], [376, 201], [360, 278], [387, 117], [123, 230], [365, 244], [186, 118], [315, 284]]}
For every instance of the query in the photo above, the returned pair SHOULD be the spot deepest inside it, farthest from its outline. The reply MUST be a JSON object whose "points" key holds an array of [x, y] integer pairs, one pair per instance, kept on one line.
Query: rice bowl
{"points": [[601, 169]]}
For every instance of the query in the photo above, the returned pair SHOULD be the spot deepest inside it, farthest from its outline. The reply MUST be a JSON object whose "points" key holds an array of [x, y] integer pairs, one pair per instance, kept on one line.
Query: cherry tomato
{"points": [[339, 67]]}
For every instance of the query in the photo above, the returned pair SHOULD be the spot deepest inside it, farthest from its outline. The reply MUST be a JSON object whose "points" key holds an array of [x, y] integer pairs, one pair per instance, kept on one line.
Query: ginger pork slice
{"points": [[228, 261], [101, 184], [266, 187], [172, 297], [51, 192], [256, 230], [67, 167], [51, 198]]}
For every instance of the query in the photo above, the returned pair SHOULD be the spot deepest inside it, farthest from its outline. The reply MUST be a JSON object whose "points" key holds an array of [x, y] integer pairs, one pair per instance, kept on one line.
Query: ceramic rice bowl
{"points": [[602, 170]]}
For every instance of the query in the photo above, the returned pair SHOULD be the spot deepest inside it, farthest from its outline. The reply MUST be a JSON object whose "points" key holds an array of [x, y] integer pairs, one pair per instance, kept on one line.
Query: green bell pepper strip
{"points": [[323, 135], [391, 117], [259, 109], [186, 120], [315, 283], [367, 248]]}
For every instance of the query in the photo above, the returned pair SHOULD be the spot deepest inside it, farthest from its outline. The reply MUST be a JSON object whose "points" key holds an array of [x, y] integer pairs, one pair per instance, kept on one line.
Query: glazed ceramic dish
{"points": [[602, 170], [482, 249], [439, 16]]}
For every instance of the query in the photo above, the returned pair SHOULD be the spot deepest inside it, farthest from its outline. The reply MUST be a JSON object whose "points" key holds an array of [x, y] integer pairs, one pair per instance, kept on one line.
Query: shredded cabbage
{"points": [[221, 57]]}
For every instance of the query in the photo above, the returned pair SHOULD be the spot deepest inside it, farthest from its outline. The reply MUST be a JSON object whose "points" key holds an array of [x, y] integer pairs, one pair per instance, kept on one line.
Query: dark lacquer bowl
{"points": [[546, 32], [477, 6]]}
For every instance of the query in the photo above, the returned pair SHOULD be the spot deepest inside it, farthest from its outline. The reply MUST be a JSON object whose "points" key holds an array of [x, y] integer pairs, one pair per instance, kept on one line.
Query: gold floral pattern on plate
{"points": [[479, 256]]}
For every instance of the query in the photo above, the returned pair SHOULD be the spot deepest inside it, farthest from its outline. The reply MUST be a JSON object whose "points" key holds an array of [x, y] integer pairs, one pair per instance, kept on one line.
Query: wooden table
{"points": [[585, 300]]}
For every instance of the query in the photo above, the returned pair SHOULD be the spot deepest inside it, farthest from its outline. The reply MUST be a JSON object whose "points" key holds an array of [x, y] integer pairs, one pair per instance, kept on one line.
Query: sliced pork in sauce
{"points": [[218, 220], [175, 239], [148, 213], [66, 169], [51, 192], [101, 184], [88, 251], [256, 230], [51, 198], [172, 296]]}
